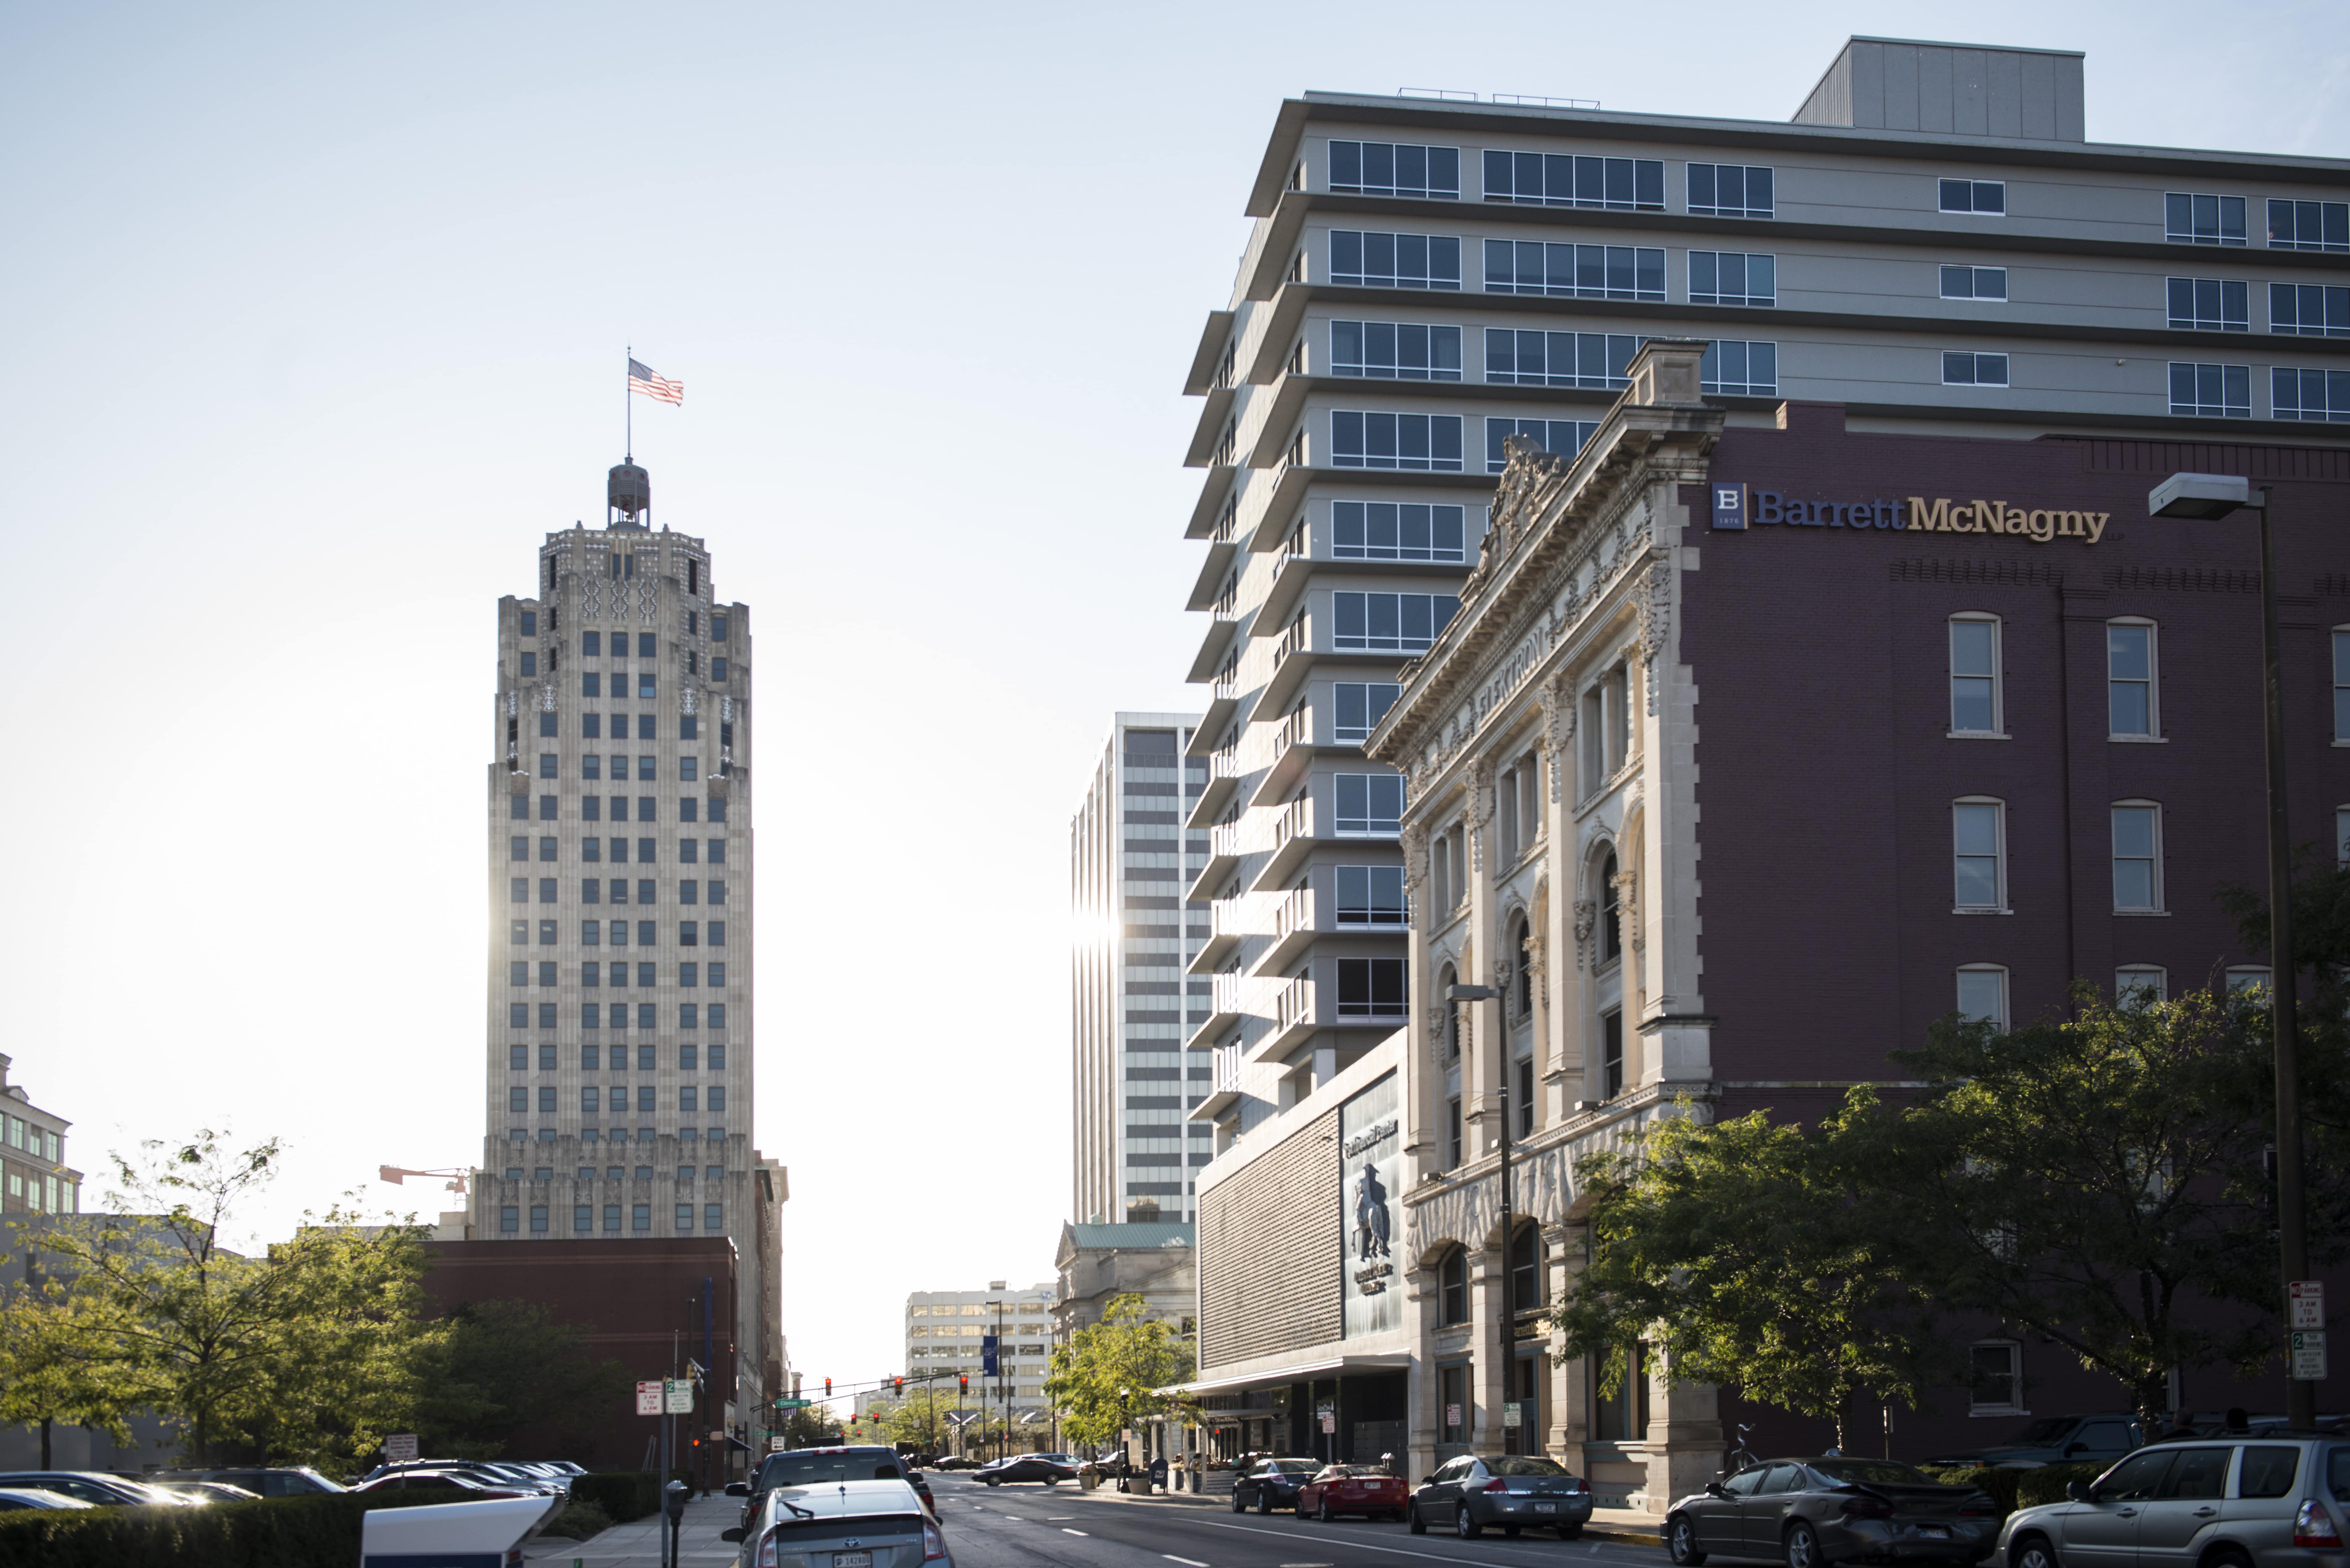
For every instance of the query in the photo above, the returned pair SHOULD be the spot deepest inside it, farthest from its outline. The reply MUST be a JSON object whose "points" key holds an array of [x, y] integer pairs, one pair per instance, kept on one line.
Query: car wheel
{"points": [[1324, 1513], [2033, 1552], [1412, 1522], [1052, 1480], [1264, 1500], [1680, 1543], [1466, 1528], [991, 1480], [1802, 1547], [1238, 1506]]}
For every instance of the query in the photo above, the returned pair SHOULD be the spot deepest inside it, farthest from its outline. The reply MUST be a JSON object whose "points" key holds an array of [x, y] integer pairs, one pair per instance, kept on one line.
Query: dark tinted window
{"points": [[2268, 1472], [1883, 1470], [1783, 1478], [845, 1464], [1292, 1467], [1745, 1481], [1523, 1466], [2135, 1478], [2337, 1473], [2197, 1473]]}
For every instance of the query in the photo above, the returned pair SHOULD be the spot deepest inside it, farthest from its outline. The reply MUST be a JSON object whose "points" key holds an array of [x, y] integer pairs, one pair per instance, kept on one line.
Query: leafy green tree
{"points": [[2086, 1178], [1758, 1255], [921, 1418], [305, 1353], [1110, 1373], [57, 1361], [498, 1367]]}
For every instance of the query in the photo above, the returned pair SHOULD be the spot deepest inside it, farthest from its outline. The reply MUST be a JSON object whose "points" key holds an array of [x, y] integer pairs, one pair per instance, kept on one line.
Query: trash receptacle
{"points": [[1159, 1475]]}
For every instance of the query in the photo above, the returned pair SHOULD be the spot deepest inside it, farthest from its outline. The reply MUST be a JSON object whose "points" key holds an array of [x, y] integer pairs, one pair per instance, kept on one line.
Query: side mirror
{"points": [[2079, 1492], [738, 1489], [2072, 1448], [1715, 1489], [734, 1534]]}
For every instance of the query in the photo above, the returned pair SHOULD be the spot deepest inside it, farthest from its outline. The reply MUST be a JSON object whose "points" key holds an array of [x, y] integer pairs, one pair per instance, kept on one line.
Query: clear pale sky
{"points": [[314, 323]]}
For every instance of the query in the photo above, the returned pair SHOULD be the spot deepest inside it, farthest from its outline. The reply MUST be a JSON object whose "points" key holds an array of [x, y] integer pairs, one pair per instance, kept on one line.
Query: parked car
{"points": [[460, 1487], [844, 1523], [1366, 1490], [1472, 1494], [297, 1481], [1810, 1512], [2098, 1439], [953, 1462], [500, 1477], [1042, 1467], [207, 1492], [815, 1467], [2265, 1503], [1268, 1484], [91, 1487], [35, 1497]]}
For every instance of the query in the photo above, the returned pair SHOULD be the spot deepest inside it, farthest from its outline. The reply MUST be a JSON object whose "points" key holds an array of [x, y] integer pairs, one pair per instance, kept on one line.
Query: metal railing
{"points": [[1294, 1002], [1295, 913], [1226, 1062], [1295, 821]]}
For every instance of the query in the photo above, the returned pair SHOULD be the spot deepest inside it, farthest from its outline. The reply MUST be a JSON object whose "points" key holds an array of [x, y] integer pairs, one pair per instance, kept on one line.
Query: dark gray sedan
{"points": [[1469, 1495], [1810, 1512]]}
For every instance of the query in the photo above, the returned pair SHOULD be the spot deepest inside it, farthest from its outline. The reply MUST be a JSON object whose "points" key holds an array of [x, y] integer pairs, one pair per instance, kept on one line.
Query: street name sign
{"points": [[791, 1404], [648, 1397]]}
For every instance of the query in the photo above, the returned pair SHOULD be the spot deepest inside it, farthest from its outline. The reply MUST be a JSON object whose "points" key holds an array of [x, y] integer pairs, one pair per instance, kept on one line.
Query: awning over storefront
{"points": [[1304, 1372]]}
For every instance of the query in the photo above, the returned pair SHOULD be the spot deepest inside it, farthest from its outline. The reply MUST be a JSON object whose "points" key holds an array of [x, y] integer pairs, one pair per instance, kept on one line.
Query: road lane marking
{"points": [[1066, 1531], [1187, 1562], [1360, 1546]]}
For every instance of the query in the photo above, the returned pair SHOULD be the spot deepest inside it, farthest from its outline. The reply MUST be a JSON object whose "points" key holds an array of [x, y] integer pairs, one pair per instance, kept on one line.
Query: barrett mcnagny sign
{"points": [[1735, 506]]}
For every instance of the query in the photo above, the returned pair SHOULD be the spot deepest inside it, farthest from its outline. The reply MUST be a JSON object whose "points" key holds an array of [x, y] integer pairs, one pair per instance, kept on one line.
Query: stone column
{"points": [[1490, 1339], [1569, 1390], [1422, 1415]]}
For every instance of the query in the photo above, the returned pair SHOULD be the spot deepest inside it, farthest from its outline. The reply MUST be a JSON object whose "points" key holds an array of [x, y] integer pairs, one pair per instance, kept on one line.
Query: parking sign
{"points": [[2308, 1297], [648, 1397]]}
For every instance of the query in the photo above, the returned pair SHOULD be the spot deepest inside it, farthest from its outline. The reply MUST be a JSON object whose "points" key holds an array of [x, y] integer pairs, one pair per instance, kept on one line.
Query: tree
{"points": [[57, 1360], [921, 1418], [1754, 1254], [1117, 1370], [305, 1353], [2087, 1179], [498, 1367]]}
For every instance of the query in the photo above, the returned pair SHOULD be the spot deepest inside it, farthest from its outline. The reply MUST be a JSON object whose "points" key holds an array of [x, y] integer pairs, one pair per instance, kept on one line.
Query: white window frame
{"points": [[2148, 977], [1999, 824], [1974, 274], [2114, 856], [2341, 684], [2153, 680], [2244, 976], [2014, 1406], [1999, 1019], [1978, 356], [1998, 729]]}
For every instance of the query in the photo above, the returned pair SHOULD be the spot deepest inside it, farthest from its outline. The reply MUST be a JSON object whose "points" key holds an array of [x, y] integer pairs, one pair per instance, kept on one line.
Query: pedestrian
{"points": [[2182, 1423]]}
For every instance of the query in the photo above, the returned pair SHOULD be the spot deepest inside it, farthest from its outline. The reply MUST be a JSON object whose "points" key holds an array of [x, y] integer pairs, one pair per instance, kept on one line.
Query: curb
{"points": [[1618, 1534]]}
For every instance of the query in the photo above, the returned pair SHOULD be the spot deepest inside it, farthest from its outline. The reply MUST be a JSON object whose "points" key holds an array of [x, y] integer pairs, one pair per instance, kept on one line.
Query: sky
{"points": [[314, 325]]}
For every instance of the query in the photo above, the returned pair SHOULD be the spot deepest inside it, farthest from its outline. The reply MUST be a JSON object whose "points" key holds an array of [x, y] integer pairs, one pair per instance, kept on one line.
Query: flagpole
{"points": [[628, 414]]}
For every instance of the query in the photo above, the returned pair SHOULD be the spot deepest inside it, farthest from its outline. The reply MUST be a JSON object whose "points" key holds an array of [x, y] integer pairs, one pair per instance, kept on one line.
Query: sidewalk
{"points": [[638, 1545], [1626, 1525]]}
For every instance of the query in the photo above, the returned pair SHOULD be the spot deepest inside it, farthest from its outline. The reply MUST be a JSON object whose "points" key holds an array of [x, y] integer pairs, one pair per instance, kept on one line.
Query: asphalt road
{"points": [[1062, 1527]]}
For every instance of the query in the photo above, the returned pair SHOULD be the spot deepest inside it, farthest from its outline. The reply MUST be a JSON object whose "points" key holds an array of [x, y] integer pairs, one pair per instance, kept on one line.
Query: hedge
{"points": [[2013, 1489], [623, 1494], [275, 1532]]}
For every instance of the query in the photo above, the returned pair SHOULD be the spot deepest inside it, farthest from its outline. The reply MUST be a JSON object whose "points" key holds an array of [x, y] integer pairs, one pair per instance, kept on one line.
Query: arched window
{"points": [[1525, 1267], [1522, 978], [1611, 923], [1452, 1287]]}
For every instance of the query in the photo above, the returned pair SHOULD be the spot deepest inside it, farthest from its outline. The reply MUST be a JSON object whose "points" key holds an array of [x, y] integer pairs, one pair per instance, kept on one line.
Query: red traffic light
{"points": [[900, 1384], [966, 1384], [827, 1387]]}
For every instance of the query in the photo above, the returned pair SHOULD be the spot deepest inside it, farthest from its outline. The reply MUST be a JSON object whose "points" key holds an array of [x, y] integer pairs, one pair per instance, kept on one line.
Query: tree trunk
{"points": [[46, 1423]]}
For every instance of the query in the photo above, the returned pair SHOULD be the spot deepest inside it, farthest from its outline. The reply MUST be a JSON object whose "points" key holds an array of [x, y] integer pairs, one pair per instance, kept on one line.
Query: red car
{"points": [[1366, 1490]]}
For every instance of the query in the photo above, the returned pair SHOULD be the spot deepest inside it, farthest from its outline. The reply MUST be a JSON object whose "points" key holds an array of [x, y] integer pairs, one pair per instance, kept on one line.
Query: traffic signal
{"points": [[827, 1387], [966, 1384], [900, 1384]]}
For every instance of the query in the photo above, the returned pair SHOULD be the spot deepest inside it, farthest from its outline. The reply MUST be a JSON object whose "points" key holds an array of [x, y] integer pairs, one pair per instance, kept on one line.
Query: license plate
{"points": [[1935, 1531], [852, 1559], [1545, 1508]]}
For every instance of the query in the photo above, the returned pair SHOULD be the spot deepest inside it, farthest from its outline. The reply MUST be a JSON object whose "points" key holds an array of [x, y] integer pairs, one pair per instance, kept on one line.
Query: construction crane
{"points": [[393, 1174]]}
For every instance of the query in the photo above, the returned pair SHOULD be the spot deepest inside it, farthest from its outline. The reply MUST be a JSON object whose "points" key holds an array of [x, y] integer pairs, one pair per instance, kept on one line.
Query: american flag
{"points": [[641, 380]]}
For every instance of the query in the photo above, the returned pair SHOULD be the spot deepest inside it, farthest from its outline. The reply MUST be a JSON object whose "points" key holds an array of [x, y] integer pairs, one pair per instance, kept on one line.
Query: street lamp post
{"points": [[2215, 495], [1004, 1393]]}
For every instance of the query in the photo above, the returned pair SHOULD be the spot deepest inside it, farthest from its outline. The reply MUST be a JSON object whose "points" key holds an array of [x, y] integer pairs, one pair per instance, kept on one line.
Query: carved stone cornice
{"points": [[1558, 733], [1586, 920]]}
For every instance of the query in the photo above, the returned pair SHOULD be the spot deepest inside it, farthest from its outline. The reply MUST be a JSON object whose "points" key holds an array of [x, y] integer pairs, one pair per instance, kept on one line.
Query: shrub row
{"points": [[276, 1532], [2012, 1489], [624, 1495]]}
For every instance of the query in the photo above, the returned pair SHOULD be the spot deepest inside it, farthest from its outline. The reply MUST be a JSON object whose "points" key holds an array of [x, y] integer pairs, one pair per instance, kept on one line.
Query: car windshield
{"points": [[1527, 1467], [1292, 1466], [2040, 1433], [813, 1470], [1881, 1470]]}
